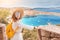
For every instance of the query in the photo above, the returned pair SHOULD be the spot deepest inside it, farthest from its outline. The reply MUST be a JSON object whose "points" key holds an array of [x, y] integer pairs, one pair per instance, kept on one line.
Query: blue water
{"points": [[41, 20], [47, 10]]}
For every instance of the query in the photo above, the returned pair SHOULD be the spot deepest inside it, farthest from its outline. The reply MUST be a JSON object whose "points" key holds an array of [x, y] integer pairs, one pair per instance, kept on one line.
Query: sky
{"points": [[30, 3]]}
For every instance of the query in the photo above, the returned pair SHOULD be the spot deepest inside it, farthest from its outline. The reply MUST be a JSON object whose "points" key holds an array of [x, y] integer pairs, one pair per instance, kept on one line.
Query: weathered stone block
{"points": [[45, 38], [55, 39], [55, 35], [45, 33]]}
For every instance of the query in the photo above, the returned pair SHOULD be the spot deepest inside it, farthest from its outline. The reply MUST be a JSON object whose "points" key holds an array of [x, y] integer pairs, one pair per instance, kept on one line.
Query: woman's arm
{"points": [[27, 26], [21, 25]]}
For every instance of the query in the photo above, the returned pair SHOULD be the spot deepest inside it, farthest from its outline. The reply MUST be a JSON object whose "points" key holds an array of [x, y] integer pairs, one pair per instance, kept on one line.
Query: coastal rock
{"points": [[55, 39], [45, 33], [45, 38], [55, 35]]}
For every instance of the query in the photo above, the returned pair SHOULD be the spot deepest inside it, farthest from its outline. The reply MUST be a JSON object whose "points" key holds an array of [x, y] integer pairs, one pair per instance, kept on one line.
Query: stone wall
{"points": [[2, 32], [45, 35]]}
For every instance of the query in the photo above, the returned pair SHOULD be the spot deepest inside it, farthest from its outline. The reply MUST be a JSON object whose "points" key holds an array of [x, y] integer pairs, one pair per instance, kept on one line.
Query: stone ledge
{"points": [[45, 35]]}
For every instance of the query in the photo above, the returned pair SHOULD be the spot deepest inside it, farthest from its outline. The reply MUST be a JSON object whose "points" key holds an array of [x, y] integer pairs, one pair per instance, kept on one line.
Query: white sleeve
{"points": [[20, 24], [26, 26]]}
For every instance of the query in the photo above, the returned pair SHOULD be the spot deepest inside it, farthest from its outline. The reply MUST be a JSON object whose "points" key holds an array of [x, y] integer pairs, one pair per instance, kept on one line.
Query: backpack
{"points": [[9, 31]]}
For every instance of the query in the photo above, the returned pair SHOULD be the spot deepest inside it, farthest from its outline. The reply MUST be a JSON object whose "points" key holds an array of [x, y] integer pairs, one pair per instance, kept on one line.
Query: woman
{"points": [[14, 30]]}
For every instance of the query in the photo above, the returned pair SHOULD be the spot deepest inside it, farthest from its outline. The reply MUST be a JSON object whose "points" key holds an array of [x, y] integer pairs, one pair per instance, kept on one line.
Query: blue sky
{"points": [[30, 3]]}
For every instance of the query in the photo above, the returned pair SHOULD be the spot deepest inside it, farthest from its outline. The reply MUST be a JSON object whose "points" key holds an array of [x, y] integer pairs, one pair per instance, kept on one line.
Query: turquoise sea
{"points": [[38, 20]]}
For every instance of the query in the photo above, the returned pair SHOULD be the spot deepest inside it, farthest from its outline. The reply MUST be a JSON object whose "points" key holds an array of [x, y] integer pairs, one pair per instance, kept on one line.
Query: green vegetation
{"points": [[30, 34], [3, 14]]}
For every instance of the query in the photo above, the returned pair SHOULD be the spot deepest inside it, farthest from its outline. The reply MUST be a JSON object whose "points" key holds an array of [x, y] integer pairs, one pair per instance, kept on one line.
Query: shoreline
{"points": [[34, 12]]}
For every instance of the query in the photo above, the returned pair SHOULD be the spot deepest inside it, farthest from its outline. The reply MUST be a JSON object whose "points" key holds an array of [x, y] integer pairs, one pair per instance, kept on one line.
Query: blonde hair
{"points": [[21, 14]]}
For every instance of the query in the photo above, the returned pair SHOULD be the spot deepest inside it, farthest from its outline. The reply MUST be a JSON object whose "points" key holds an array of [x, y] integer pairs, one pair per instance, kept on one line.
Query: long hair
{"points": [[21, 14]]}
